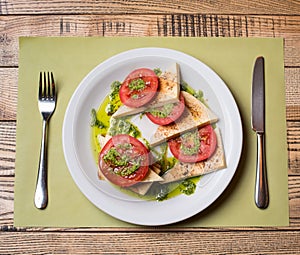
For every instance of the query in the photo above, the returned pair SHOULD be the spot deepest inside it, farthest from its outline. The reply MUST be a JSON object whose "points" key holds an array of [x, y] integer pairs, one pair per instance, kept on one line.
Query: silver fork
{"points": [[46, 103]]}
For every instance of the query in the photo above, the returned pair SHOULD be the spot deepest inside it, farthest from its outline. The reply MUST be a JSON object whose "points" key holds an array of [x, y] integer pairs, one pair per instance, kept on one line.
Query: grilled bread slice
{"points": [[183, 170], [196, 114], [168, 92]]}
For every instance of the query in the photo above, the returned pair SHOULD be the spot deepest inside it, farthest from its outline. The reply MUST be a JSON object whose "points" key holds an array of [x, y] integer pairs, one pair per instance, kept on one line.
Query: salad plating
{"points": [[129, 160]]}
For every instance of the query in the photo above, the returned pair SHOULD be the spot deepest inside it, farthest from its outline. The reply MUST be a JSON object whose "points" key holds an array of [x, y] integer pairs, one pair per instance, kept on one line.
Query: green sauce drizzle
{"points": [[103, 124], [137, 84]]}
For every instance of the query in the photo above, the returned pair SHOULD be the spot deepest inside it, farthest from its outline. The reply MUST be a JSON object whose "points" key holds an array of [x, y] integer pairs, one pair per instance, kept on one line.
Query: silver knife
{"points": [[258, 125]]}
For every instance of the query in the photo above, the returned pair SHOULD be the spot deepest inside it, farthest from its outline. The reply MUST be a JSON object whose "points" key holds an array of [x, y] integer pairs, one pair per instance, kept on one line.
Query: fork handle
{"points": [[41, 191]]}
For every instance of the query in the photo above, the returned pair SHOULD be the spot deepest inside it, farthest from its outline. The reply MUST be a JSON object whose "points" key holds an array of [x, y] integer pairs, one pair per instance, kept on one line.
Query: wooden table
{"points": [[147, 18]]}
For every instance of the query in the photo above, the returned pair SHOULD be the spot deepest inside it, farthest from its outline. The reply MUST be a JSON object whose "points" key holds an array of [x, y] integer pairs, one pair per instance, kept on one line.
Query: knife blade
{"points": [[258, 125]]}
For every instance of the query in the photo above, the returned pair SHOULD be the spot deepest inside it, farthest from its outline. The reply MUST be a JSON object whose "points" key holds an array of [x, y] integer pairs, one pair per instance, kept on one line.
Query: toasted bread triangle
{"points": [[195, 115], [168, 92], [183, 170]]}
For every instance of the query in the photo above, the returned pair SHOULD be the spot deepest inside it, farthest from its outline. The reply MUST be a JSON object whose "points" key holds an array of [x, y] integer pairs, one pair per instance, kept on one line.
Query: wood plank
{"points": [[7, 148], [7, 201], [294, 200], [9, 93], [7, 207], [292, 81], [199, 25], [293, 140], [280, 7], [243, 242]]}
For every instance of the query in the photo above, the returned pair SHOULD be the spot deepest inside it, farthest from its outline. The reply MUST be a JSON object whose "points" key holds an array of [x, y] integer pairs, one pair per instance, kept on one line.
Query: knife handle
{"points": [[261, 184]]}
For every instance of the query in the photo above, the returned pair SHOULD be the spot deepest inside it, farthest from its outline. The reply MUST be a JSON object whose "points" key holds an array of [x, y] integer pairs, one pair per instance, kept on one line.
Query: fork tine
{"points": [[40, 85], [45, 85], [53, 86], [48, 85]]}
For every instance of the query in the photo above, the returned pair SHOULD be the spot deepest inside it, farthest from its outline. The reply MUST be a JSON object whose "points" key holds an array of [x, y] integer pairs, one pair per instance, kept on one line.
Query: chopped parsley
{"points": [[187, 187], [157, 71], [121, 163], [137, 84]]}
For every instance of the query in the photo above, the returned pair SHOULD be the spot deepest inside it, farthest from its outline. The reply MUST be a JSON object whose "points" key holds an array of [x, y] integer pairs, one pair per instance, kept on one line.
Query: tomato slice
{"points": [[139, 87], [168, 113], [124, 160], [194, 146]]}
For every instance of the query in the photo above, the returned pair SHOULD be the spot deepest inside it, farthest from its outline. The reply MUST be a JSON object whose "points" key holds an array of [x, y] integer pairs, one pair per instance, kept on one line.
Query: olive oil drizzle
{"points": [[102, 125]]}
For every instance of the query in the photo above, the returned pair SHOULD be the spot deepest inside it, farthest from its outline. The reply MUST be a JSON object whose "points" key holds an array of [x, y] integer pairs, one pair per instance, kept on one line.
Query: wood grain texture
{"points": [[6, 202], [7, 148], [282, 7], [293, 140], [9, 93], [190, 18], [292, 85], [242, 242], [198, 25]]}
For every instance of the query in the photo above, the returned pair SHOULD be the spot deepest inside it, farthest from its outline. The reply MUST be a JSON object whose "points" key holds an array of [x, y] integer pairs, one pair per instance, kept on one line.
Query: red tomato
{"points": [[124, 160], [187, 148], [176, 111], [139, 87]]}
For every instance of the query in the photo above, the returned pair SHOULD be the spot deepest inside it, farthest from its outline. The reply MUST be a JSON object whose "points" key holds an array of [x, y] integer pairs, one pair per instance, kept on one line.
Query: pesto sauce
{"points": [[190, 143], [117, 157], [101, 118], [137, 84], [165, 162], [158, 192], [157, 71], [114, 98], [105, 119], [161, 192], [196, 93], [163, 111], [123, 126]]}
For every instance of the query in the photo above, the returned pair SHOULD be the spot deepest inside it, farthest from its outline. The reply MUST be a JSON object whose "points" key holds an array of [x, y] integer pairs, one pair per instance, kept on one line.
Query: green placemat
{"points": [[71, 59]]}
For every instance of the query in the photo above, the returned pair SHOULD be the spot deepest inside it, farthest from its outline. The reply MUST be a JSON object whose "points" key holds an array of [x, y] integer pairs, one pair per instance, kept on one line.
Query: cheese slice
{"points": [[144, 185], [195, 115], [141, 188], [183, 170], [168, 92], [150, 177]]}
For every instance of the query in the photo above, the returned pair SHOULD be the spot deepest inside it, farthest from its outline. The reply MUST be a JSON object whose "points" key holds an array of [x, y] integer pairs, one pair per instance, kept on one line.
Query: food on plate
{"points": [[195, 115], [124, 160], [153, 171], [156, 149], [195, 145], [139, 87], [167, 92], [182, 170], [167, 113]]}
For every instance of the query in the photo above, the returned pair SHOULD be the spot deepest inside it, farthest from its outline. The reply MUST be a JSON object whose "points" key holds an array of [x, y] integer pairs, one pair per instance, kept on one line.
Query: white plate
{"points": [[77, 142]]}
